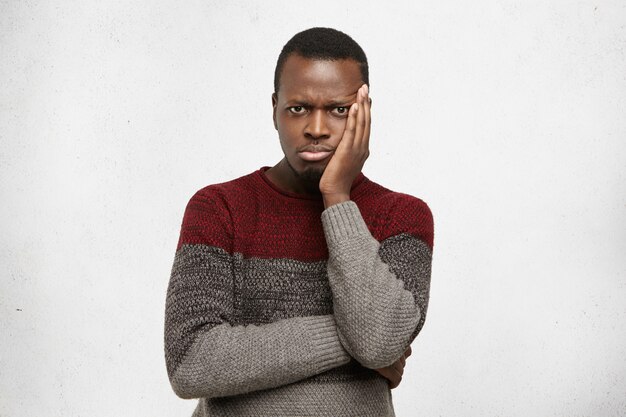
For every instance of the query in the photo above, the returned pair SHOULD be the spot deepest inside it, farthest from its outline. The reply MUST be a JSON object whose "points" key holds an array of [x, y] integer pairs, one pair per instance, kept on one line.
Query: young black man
{"points": [[297, 290]]}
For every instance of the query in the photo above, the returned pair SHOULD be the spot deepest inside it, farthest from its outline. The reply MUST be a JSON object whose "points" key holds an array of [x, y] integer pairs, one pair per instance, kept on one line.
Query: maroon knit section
{"points": [[252, 217], [207, 220], [388, 213]]}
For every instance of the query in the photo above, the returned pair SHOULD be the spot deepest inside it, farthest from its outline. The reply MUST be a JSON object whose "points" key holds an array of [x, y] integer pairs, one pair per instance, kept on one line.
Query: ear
{"points": [[274, 104]]}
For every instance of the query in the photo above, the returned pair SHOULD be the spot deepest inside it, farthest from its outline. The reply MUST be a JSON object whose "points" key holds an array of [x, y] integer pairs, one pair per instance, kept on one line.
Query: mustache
{"points": [[316, 148]]}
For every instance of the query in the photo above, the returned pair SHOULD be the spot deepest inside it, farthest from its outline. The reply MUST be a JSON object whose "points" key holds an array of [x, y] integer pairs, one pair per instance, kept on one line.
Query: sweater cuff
{"points": [[343, 220], [328, 350]]}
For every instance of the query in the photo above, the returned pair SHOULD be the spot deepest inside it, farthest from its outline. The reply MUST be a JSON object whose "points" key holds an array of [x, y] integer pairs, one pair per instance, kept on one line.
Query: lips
{"points": [[315, 156], [315, 153]]}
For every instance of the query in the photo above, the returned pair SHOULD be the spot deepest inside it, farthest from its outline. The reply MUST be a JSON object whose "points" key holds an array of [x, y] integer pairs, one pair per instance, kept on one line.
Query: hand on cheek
{"points": [[350, 154]]}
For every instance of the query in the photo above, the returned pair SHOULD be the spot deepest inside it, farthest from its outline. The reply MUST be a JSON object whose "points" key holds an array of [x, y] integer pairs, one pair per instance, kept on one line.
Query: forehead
{"points": [[313, 79]]}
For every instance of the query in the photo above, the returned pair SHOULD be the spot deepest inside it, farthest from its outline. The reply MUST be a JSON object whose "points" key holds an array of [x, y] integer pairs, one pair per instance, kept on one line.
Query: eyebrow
{"points": [[332, 103], [340, 103]]}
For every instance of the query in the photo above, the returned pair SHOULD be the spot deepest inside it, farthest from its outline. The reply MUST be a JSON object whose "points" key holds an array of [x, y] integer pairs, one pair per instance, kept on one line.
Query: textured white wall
{"points": [[508, 118]]}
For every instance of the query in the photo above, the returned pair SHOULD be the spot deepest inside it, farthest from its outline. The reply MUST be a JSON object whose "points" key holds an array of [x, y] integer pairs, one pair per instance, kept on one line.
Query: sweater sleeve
{"points": [[380, 290], [206, 354]]}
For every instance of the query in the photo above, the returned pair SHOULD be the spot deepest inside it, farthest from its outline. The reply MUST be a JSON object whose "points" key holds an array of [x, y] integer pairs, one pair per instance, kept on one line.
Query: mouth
{"points": [[314, 156], [315, 153]]}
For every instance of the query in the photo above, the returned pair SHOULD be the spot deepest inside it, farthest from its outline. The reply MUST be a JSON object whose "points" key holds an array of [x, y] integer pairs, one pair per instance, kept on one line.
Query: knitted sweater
{"points": [[279, 307]]}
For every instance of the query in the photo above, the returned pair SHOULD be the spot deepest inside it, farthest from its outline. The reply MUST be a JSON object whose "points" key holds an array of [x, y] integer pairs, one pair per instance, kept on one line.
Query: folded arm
{"points": [[206, 355], [380, 290]]}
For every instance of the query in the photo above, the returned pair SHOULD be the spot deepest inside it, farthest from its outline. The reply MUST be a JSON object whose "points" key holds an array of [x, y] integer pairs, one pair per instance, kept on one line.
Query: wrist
{"points": [[332, 199]]}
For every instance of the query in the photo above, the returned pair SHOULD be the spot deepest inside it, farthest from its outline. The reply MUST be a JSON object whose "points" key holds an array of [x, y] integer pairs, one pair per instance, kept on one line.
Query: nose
{"points": [[317, 126]]}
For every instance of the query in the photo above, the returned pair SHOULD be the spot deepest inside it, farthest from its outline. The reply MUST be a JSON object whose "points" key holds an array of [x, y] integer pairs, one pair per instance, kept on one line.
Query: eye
{"points": [[341, 111], [297, 109]]}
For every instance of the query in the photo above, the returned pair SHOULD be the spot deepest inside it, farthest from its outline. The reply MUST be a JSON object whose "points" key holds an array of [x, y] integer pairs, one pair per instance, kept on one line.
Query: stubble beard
{"points": [[309, 178]]}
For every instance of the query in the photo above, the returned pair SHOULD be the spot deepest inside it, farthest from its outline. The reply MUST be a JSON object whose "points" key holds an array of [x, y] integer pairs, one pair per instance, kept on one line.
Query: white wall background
{"points": [[507, 117]]}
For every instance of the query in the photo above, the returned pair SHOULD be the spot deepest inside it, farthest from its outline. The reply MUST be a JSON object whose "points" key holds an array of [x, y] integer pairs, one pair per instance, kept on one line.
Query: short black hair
{"points": [[324, 44]]}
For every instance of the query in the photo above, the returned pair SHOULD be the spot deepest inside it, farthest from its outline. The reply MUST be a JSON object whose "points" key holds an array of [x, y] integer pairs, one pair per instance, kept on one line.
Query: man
{"points": [[296, 290]]}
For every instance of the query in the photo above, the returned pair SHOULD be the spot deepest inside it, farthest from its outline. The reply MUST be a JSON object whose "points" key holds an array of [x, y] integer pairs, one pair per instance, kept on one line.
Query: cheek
{"points": [[289, 127], [337, 126], [288, 136], [337, 123]]}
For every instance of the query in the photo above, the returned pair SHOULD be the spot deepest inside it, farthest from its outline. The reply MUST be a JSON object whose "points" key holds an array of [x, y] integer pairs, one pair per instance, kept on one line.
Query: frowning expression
{"points": [[311, 110]]}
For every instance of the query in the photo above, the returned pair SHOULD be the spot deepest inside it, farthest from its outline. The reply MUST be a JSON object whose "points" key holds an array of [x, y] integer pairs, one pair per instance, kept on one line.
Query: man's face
{"points": [[311, 110]]}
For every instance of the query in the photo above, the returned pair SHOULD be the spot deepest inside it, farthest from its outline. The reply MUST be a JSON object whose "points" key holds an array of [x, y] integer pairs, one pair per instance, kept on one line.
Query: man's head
{"points": [[324, 44], [318, 74]]}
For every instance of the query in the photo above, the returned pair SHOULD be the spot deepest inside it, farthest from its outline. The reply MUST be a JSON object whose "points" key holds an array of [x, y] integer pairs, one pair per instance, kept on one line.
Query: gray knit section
{"points": [[270, 337], [410, 260], [367, 398], [207, 356], [200, 296], [267, 290], [378, 301], [242, 359]]}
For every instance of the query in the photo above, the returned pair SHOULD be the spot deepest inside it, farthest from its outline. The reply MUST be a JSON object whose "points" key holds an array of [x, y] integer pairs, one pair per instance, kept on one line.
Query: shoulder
{"points": [[391, 213], [217, 198], [225, 191], [409, 214], [208, 214]]}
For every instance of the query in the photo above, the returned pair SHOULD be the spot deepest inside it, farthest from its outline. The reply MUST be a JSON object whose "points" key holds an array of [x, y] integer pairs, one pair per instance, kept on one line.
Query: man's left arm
{"points": [[380, 290]]}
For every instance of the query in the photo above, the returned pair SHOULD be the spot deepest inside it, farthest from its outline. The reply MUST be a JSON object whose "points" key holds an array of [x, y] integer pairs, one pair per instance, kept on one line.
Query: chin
{"points": [[311, 174]]}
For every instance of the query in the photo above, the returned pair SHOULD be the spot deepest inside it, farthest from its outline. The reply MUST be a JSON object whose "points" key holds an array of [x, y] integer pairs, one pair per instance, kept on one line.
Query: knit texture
{"points": [[279, 307]]}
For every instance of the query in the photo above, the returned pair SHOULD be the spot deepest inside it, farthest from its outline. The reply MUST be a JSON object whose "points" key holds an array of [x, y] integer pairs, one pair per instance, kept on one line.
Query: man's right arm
{"points": [[205, 355]]}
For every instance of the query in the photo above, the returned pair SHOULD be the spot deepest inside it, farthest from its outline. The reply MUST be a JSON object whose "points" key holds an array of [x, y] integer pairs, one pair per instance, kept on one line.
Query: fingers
{"points": [[367, 116], [348, 135], [396, 375], [363, 122], [357, 130], [398, 367], [360, 118], [391, 375]]}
